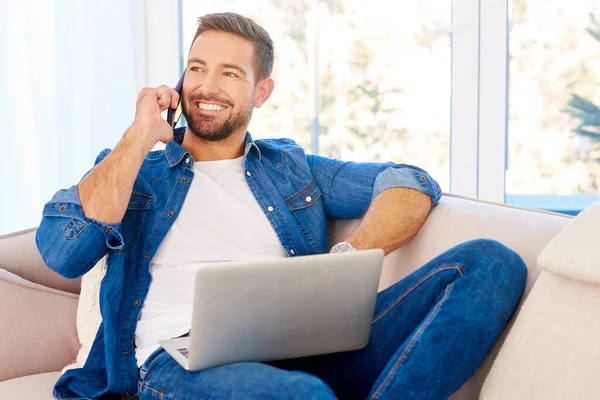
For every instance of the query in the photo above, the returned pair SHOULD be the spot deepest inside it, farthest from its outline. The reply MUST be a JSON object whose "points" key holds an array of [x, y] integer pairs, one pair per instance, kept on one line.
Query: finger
{"points": [[144, 92], [163, 96], [163, 90], [174, 98], [161, 100]]}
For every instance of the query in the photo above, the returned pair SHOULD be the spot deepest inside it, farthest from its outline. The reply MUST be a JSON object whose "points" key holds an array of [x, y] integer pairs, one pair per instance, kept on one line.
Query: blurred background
{"points": [[497, 99]]}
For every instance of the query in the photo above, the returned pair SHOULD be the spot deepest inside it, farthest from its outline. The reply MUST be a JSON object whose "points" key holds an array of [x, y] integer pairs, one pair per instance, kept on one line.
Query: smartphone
{"points": [[173, 114]]}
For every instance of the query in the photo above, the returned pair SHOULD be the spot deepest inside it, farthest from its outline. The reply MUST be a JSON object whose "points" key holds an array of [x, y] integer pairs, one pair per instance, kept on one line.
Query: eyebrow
{"points": [[223, 65]]}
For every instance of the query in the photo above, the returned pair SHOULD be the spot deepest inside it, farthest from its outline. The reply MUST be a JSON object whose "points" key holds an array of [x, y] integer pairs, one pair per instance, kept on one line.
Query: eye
{"points": [[196, 69], [231, 75]]}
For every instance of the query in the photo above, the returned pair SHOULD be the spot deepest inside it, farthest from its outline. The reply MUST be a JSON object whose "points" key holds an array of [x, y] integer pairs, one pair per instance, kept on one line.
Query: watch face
{"points": [[345, 246], [342, 247]]}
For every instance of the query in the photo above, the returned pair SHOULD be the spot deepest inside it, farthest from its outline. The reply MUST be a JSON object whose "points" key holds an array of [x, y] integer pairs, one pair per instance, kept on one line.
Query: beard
{"points": [[208, 127]]}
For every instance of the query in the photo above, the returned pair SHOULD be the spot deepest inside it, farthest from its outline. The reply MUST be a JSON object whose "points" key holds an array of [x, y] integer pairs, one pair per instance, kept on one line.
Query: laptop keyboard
{"points": [[184, 352]]}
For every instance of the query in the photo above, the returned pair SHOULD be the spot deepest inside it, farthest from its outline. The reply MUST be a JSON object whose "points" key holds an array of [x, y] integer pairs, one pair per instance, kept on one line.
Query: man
{"points": [[214, 194]]}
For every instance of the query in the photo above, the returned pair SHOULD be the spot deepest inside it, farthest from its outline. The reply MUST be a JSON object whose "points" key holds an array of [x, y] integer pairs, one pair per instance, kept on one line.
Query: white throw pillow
{"points": [[88, 312]]}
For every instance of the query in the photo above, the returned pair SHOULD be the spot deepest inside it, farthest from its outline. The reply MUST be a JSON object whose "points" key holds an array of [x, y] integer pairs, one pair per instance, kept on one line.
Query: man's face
{"points": [[218, 93]]}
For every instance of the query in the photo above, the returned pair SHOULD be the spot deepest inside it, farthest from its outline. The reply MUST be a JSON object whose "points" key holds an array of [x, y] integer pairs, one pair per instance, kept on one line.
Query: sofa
{"points": [[38, 335], [553, 349]]}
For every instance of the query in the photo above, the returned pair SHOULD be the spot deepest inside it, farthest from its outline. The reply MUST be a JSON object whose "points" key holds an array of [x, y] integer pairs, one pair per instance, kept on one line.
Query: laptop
{"points": [[279, 308]]}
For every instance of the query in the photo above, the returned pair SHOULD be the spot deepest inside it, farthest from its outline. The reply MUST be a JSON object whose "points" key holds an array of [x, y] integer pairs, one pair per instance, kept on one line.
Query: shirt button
{"points": [[184, 180], [127, 394], [125, 351], [292, 251], [170, 213], [308, 199], [146, 256], [109, 229], [137, 303], [270, 209], [62, 209], [422, 179], [187, 160], [248, 173]]}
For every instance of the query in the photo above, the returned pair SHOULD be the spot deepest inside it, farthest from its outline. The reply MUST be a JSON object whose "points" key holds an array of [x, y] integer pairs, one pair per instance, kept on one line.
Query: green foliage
{"points": [[594, 30], [588, 114], [583, 109]]}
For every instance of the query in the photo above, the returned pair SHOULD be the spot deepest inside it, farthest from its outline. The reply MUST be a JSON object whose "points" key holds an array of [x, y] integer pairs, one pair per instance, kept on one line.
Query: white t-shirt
{"points": [[220, 221]]}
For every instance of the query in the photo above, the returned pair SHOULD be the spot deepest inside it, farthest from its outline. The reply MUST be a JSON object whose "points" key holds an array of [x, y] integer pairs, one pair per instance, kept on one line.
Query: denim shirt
{"points": [[297, 192]]}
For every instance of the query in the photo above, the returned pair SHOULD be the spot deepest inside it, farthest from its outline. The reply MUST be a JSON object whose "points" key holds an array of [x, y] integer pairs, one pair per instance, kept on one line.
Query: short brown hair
{"points": [[247, 29]]}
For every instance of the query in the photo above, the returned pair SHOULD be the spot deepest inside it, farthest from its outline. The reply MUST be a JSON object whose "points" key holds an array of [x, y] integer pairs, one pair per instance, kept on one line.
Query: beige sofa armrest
{"points": [[19, 255], [37, 328], [552, 350], [575, 251]]}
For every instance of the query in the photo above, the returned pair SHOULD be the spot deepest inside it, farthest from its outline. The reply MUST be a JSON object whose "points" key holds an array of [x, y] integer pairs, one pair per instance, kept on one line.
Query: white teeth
{"points": [[210, 107]]}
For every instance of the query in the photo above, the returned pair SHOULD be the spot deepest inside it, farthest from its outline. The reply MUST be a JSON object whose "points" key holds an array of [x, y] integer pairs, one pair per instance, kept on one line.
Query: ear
{"points": [[263, 91]]}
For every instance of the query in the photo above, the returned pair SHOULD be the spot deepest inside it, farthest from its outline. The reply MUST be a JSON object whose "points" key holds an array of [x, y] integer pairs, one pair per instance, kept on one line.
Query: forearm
{"points": [[105, 192], [391, 220]]}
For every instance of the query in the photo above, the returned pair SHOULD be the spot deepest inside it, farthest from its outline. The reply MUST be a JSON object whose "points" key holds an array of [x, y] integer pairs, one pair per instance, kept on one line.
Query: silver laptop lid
{"points": [[283, 308]]}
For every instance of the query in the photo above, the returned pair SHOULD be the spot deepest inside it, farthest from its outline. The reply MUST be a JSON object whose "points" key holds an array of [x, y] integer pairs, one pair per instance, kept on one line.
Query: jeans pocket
{"points": [[149, 363]]}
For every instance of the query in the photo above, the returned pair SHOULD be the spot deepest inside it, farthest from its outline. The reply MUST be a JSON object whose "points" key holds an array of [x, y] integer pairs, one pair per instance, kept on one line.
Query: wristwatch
{"points": [[342, 247]]}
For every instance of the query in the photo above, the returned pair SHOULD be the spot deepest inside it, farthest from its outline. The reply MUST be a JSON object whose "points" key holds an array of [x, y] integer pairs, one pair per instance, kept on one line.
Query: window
{"points": [[385, 83], [68, 78], [356, 80], [553, 55], [479, 93]]}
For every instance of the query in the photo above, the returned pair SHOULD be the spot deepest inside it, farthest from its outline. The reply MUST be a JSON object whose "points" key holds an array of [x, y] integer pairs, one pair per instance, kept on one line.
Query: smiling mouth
{"points": [[210, 106]]}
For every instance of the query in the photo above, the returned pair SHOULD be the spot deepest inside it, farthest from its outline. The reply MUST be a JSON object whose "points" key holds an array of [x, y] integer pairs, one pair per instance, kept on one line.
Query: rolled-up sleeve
{"points": [[407, 176], [349, 187], [70, 243]]}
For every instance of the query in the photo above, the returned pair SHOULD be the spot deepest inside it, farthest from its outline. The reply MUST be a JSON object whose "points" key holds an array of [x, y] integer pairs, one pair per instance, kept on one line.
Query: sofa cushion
{"points": [[552, 351], [35, 387], [38, 328], [88, 311], [575, 251], [7, 275], [32, 387]]}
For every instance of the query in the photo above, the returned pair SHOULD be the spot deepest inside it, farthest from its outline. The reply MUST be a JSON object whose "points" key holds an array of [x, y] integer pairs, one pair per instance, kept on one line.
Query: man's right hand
{"points": [[151, 102], [104, 193]]}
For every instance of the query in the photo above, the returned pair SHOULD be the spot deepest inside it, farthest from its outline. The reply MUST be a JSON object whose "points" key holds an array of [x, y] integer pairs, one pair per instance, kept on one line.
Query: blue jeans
{"points": [[430, 333]]}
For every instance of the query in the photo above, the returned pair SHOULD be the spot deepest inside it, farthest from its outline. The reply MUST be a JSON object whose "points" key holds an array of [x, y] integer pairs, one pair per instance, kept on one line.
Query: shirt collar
{"points": [[251, 145], [176, 153]]}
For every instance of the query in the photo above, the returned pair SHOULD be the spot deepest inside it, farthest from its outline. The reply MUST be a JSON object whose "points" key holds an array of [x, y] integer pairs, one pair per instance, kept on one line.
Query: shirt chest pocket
{"points": [[306, 207], [133, 221], [306, 197]]}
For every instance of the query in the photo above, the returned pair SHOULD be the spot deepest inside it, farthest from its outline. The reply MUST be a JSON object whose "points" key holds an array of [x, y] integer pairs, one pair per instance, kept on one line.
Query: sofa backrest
{"points": [[457, 219], [454, 221]]}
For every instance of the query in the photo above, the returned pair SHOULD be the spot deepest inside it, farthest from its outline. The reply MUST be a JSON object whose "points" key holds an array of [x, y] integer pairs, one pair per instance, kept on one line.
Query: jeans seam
{"points": [[151, 389], [412, 342], [150, 367], [72, 398], [446, 267]]}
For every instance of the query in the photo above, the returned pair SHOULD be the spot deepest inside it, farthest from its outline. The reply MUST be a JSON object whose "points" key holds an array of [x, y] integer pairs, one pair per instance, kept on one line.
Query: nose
{"points": [[209, 85]]}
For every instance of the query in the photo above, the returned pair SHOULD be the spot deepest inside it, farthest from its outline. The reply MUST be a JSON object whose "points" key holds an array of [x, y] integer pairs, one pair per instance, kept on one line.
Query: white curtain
{"points": [[68, 84]]}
